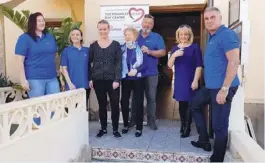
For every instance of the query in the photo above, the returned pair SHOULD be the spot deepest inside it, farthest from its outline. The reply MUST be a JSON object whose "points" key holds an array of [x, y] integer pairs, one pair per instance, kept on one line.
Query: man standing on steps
{"points": [[153, 47], [221, 61]]}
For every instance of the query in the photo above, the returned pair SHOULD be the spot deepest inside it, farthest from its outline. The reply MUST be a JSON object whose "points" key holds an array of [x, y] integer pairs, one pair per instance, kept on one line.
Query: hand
{"points": [[91, 84], [221, 96], [115, 85], [145, 50], [194, 85], [62, 85], [133, 72], [25, 85], [178, 53], [72, 86]]}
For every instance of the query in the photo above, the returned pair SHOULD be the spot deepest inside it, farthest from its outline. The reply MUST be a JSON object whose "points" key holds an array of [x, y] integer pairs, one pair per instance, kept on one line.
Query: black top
{"points": [[105, 63]]}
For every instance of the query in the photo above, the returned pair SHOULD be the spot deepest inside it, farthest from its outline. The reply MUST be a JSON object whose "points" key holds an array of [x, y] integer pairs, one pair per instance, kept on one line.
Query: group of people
{"points": [[106, 66]]}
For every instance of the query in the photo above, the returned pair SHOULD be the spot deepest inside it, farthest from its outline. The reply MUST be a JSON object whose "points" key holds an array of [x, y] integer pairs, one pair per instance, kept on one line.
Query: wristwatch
{"points": [[224, 88]]}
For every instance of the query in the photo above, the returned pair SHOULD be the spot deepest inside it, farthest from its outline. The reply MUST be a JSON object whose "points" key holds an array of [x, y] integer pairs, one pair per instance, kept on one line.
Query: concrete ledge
{"points": [[84, 154]]}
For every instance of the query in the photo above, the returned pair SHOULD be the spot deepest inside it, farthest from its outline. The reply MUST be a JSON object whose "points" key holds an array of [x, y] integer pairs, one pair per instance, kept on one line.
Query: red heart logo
{"points": [[141, 15]]}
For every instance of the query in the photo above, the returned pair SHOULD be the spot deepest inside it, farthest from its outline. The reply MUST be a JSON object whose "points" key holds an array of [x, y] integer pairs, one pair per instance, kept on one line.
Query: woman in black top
{"points": [[105, 75]]}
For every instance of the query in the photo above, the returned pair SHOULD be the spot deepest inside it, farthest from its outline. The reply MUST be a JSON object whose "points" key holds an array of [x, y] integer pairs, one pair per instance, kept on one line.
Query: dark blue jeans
{"points": [[220, 118]]}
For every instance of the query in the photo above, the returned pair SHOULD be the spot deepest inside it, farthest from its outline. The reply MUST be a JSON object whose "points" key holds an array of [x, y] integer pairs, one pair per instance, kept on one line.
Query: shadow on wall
{"points": [[256, 113]]}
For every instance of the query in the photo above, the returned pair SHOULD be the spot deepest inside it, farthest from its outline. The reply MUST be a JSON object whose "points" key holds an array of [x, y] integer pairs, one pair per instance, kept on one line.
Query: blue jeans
{"points": [[220, 121], [43, 87]]}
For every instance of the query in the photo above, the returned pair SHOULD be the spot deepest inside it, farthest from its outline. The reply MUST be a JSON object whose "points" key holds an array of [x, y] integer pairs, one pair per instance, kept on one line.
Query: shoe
{"points": [[186, 132], [152, 125], [116, 134], [204, 145], [125, 130], [182, 127], [138, 133], [101, 133]]}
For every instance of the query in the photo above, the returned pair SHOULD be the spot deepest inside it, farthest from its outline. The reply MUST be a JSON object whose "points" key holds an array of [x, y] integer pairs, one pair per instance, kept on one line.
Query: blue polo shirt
{"points": [[76, 62], [39, 56], [153, 41], [215, 61]]}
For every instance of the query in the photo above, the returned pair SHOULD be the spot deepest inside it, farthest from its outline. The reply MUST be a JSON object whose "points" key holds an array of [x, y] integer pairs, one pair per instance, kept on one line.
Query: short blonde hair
{"points": [[133, 30], [191, 38]]}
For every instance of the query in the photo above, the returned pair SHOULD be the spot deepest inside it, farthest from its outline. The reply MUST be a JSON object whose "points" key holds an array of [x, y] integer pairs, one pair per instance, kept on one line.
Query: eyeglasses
{"points": [[148, 16]]}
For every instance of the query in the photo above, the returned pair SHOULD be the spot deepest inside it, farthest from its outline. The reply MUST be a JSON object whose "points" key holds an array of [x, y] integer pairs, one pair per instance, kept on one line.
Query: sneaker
{"points": [[101, 133], [125, 130], [138, 133], [116, 134]]}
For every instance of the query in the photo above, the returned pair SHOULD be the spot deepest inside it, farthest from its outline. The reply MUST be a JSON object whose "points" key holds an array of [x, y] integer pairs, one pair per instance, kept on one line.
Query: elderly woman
{"points": [[186, 57], [132, 79]]}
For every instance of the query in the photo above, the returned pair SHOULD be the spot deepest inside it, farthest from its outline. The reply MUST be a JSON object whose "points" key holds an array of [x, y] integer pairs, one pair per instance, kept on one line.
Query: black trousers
{"points": [[185, 113], [102, 88], [87, 97], [137, 86]]}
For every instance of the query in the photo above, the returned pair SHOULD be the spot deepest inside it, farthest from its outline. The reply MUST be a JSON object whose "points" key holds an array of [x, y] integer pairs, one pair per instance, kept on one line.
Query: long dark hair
{"points": [[32, 25]]}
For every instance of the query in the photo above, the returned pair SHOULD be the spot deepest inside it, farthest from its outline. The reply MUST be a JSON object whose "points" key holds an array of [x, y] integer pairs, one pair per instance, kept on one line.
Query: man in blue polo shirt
{"points": [[153, 47], [221, 61]]}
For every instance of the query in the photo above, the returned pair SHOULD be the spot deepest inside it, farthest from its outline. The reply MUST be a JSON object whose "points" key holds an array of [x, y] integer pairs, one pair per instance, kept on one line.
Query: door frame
{"points": [[183, 8]]}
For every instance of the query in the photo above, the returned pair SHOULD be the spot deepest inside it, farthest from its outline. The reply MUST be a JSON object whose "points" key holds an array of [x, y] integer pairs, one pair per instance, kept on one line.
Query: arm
{"points": [[90, 61], [232, 66], [198, 70], [231, 48], [22, 75], [161, 52], [174, 55], [64, 61], [118, 63]]}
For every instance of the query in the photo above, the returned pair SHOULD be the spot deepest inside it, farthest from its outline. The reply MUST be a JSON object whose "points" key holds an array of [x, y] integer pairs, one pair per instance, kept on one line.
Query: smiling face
{"points": [[212, 20], [40, 23], [183, 35], [147, 25], [103, 30], [76, 37]]}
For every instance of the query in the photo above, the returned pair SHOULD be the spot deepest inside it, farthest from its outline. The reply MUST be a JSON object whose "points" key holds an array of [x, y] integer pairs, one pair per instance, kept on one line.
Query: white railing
{"points": [[23, 113], [9, 94], [60, 116], [244, 148]]}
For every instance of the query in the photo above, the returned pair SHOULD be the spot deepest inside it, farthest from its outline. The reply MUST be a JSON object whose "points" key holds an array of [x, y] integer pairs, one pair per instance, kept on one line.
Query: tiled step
{"points": [[137, 155]]}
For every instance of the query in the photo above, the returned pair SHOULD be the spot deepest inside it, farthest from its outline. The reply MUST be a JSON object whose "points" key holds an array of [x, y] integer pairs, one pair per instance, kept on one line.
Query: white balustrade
{"points": [[47, 109]]}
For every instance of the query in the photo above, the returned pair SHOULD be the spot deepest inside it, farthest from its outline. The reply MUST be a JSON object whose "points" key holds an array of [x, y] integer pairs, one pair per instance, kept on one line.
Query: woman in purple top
{"points": [[186, 57]]}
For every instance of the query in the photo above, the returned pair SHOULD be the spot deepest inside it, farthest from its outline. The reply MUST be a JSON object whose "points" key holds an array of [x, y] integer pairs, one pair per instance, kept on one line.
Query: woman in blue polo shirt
{"points": [[74, 61], [132, 79], [36, 50]]}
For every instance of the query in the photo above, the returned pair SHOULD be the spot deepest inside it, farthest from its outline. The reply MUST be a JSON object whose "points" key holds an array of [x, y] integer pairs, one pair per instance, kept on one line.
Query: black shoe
{"points": [[125, 130], [186, 132], [101, 133], [204, 145], [138, 133], [152, 125], [116, 134], [181, 128]]}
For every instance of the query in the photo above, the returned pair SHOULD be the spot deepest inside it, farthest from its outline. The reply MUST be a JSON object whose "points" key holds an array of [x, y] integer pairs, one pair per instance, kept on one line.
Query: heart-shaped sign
{"points": [[136, 14]]}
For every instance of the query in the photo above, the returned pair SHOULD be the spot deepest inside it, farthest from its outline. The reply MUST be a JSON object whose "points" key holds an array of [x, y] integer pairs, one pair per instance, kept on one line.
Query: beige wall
{"points": [[51, 9], [254, 86], [2, 47], [78, 11], [254, 90]]}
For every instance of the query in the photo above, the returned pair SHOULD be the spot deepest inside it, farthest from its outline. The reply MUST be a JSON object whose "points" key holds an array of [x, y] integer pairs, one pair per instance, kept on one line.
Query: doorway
{"points": [[167, 21]]}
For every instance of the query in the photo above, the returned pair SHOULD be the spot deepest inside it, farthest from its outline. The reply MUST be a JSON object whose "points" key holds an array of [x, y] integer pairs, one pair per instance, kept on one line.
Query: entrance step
{"points": [[137, 155]]}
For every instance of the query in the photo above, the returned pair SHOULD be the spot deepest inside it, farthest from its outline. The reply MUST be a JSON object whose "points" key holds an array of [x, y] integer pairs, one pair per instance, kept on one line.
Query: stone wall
{"points": [[2, 47]]}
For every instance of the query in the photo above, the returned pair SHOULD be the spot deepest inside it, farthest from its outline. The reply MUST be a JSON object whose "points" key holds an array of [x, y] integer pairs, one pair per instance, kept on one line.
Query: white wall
{"points": [[60, 141]]}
